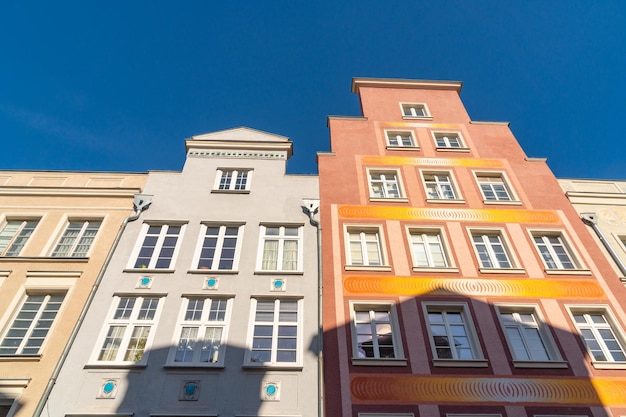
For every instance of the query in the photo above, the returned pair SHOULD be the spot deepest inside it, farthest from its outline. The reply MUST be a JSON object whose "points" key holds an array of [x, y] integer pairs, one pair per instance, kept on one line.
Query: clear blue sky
{"points": [[119, 85]]}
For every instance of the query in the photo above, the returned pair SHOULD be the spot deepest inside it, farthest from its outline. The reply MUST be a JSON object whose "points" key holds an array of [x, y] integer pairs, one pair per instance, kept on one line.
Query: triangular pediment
{"points": [[241, 134]]}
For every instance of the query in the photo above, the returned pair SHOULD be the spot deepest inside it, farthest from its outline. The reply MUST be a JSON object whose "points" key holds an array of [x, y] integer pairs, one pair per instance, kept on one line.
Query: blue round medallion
{"points": [[190, 389], [211, 282], [108, 387], [271, 389], [145, 281]]}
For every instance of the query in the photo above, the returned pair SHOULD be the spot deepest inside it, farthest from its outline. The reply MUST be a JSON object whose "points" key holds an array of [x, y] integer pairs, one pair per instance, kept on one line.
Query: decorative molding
{"points": [[446, 162], [53, 274], [450, 214], [489, 390], [236, 154], [528, 287]]}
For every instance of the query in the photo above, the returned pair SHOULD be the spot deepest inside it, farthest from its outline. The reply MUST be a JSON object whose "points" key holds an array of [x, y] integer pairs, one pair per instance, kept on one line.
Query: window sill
{"points": [[403, 148], [273, 366], [42, 259], [567, 271], [389, 200], [502, 202], [474, 363], [149, 270], [115, 365], [20, 358], [452, 149], [382, 268], [609, 365], [445, 200], [217, 366], [278, 273], [438, 270], [378, 362], [502, 270], [417, 117], [230, 191], [213, 271], [540, 364]]}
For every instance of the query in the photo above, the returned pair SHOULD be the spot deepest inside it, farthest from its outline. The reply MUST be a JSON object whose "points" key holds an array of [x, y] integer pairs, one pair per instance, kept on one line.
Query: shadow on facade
{"points": [[431, 326]]}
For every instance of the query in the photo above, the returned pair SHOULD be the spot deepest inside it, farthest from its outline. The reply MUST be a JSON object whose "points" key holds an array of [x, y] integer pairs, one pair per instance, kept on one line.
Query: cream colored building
{"points": [[602, 206], [56, 232]]}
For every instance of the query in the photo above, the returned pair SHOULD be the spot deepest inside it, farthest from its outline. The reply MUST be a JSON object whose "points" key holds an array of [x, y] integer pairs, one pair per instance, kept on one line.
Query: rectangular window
{"points": [[526, 334], [77, 239], [14, 236], [439, 186], [493, 187], [400, 139], [281, 248], [129, 330], [202, 332], [364, 246], [448, 140], [414, 110], [491, 250], [374, 332], [275, 335], [451, 334], [384, 184], [428, 249], [599, 333], [554, 250], [219, 250], [233, 179], [31, 324], [159, 245]]}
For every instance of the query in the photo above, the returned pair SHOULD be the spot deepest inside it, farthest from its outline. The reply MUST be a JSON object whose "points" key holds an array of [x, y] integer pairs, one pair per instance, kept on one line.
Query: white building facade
{"points": [[209, 305]]}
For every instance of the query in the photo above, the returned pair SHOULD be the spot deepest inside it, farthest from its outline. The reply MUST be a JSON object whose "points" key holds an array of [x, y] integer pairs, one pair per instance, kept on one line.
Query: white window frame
{"points": [[34, 323], [477, 359], [156, 253], [428, 253], [554, 359], [281, 238], [22, 232], [412, 110], [276, 323], [207, 320], [73, 243], [129, 324], [372, 307], [233, 185], [504, 182], [392, 135], [446, 136], [219, 248], [611, 324], [440, 185], [555, 265], [384, 181], [492, 253], [363, 230]]}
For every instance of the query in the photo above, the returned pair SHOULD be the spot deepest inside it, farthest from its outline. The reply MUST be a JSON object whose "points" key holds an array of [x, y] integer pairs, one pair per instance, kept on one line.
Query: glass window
{"points": [[364, 247], [275, 332], [373, 332], [448, 140], [384, 184], [158, 247], [31, 324], [451, 333], [414, 110], [400, 139], [281, 248], [526, 334], [77, 239], [439, 186], [233, 179], [493, 187], [554, 251], [427, 249], [14, 236], [491, 250], [219, 247], [599, 335]]}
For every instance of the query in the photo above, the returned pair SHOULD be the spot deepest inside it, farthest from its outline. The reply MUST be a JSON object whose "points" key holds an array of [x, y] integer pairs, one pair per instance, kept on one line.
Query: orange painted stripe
{"points": [[449, 214], [449, 162]]}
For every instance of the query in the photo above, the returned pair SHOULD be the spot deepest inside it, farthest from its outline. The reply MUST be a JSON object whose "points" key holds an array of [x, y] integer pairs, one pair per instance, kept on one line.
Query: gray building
{"points": [[209, 305]]}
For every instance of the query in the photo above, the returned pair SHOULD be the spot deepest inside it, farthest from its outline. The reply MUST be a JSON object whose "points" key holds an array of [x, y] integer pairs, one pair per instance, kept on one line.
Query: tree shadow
{"points": [[445, 353]]}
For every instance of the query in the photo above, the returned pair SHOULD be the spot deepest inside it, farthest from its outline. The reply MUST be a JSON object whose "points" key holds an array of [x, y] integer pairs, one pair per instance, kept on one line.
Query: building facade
{"points": [[601, 205], [458, 279], [56, 230], [209, 304]]}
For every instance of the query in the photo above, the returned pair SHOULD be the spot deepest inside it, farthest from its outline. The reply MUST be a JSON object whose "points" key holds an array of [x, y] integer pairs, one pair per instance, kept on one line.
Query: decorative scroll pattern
{"points": [[448, 162], [450, 214], [464, 390], [568, 288]]}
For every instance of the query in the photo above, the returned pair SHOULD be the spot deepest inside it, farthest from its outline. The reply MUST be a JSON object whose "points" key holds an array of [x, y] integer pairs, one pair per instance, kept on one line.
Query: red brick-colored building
{"points": [[458, 279]]}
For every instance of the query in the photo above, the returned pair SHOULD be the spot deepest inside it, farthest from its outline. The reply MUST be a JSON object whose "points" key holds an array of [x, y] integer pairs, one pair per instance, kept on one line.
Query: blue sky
{"points": [[119, 85]]}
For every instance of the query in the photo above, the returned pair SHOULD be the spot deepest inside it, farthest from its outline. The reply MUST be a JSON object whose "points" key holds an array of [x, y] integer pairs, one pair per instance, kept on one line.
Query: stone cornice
{"points": [[68, 191], [239, 146], [406, 84]]}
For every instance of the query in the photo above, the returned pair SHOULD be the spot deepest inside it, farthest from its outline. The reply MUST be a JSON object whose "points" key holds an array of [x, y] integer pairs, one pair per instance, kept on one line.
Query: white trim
{"points": [[281, 238], [443, 242], [381, 248], [444, 134], [236, 174], [154, 257], [489, 246], [573, 256], [396, 335], [398, 182], [414, 144], [413, 106], [451, 182], [219, 246], [504, 180]]}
